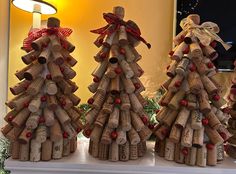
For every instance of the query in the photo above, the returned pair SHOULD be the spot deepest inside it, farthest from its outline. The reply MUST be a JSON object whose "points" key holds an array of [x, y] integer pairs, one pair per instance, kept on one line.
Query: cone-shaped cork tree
{"points": [[191, 127], [43, 121], [117, 124], [231, 146]]}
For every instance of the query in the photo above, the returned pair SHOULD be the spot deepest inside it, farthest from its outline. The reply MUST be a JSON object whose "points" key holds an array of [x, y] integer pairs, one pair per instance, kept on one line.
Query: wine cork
{"points": [[179, 156], [41, 133], [25, 136], [170, 118], [99, 99], [93, 148], [195, 83], [69, 129], [187, 136], [212, 156], [68, 45], [55, 43], [103, 85], [33, 120], [119, 12], [68, 58], [101, 119], [106, 135], [73, 85], [55, 131], [137, 70], [192, 156], [171, 69], [24, 152], [204, 104], [91, 116], [58, 57], [196, 119], [114, 152], [210, 52], [182, 118], [49, 116], [195, 50], [35, 150], [20, 87], [213, 120], [113, 121], [136, 54], [96, 133], [181, 69], [21, 117], [136, 105], [39, 43], [46, 150], [142, 149], [198, 137], [125, 102], [122, 36], [15, 150], [121, 138], [66, 147], [62, 116], [169, 150], [100, 70], [57, 149], [30, 57], [102, 54], [133, 136], [178, 53], [145, 134], [103, 151], [128, 85], [220, 115], [35, 103], [208, 85], [55, 72], [13, 134], [175, 134], [174, 103], [214, 136], [93, 87], [73, 144], [162, 132], [19, 102], [33, 71], [162, 113], [109, 40], [141, 99], [166, 98], [5, 129], [161, 148], [20, 73], [201, 156], [52, 102], [44, 55], [201, 66], [136, 121], [67, 71], [125, 120], [230, 151], [65, 101], [133, 155], [130, 57], [53, 22], [124, 151], [179, 37], [126, 68], [65, 87], [175, 84], [50, 87], [115, 85]]}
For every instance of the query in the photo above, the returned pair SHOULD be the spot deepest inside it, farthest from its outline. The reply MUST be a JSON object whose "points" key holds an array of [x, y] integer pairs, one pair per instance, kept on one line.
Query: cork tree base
{"points": [[81, 162]]}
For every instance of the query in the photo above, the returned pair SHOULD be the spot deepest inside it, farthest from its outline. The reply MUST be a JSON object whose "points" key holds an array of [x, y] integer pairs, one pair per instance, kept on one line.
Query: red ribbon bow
{"points": [[114, 24], [34, 34]]}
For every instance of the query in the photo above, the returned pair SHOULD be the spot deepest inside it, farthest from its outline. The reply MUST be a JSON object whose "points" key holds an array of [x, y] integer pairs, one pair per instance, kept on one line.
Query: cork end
{"points": [[195, 18], [119, 11], [53, 22]]}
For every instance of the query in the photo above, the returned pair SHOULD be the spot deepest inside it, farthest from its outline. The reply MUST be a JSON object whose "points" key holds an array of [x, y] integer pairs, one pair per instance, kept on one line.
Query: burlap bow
{"points": [[206, 32], [37, 33]]}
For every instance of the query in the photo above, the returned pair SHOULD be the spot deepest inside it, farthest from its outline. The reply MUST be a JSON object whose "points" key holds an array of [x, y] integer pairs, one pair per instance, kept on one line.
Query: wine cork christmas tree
{"points": [[117, 124], [43, 121], [231, 147], [191, 127]]}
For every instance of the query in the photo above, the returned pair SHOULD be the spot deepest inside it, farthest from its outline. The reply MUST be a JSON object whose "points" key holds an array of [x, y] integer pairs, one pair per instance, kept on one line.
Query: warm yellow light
{"points": [[39, 6]]}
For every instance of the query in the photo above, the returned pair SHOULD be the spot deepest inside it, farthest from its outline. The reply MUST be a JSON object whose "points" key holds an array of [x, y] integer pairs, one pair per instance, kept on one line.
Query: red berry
{"points": [[100, 41], [226, 110], [192, 68], [210, 146], [122, 51], [164, 132], [26, 86], [185, 151], [157, 111], [90, 101], [144, 119], [183, 102], [216, 97], [62, 69], [178, 84], [26, 104], [201, 45], [29, 134], [96, 79], [186, 51], [118, 70], [210, 65], [78, 129], [41, 119], [103, 55], [205, 121], [171, 53], [114, 135], [10, 118], [63, 103], [223, 135], [117, 101], [48, 76], [137, 85], [213, 44], [233, 91], [65, 135], [151, 126], [87, 132], [44, 98], [226, 147]]}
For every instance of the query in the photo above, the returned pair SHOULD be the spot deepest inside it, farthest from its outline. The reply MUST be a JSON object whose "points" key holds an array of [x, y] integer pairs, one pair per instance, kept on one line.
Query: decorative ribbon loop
{"points": [[34, 34], [206, 32], [114, 24]]}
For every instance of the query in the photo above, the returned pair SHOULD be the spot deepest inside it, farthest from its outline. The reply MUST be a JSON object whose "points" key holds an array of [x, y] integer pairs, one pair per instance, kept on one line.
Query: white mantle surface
{"points": [[81, 162]]}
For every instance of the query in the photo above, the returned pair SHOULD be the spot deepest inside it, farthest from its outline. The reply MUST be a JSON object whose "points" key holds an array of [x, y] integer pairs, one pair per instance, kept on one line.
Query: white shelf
{"points": [[81, 162]]}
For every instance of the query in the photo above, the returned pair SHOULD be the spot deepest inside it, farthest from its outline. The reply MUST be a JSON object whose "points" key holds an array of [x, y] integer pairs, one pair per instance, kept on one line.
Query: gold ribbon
{"points": [[206, 32]]}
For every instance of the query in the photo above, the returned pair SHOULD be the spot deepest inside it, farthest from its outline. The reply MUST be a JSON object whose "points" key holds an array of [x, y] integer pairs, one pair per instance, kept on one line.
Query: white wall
{"points": [[4, 45]]}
